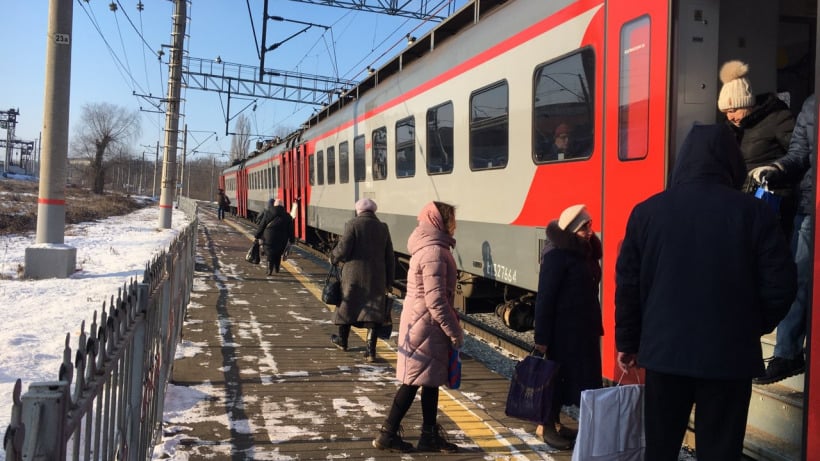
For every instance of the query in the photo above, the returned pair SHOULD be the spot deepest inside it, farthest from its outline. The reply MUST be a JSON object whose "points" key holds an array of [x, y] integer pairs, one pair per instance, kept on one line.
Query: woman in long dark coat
{"points": [[366, 250], [276, 230], [568, 324]]}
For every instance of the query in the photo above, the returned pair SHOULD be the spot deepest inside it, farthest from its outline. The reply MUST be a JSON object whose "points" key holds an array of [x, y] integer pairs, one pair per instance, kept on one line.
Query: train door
{"points": [[242, 191], [636, 58], [300, 198], [811, 401]]}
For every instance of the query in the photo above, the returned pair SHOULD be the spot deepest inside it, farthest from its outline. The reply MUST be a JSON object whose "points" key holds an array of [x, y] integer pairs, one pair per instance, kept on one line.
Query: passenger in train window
{"points": [[556, 144], [429, 329], [366, 250], [763, 126], [702, 273], [276, 231], [798, 165], [568, 323]]}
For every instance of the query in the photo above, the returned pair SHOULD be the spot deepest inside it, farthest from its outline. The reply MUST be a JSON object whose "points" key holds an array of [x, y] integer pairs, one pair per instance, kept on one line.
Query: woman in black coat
{"points": [[568, 325], [763, 127], [276, 229]]}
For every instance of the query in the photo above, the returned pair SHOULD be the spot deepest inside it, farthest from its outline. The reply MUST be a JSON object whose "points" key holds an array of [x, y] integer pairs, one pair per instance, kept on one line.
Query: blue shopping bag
{"points": [[763, 193]]}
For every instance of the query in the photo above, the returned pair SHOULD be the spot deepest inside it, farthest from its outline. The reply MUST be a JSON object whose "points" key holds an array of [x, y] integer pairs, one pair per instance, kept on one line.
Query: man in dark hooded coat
{"points": [[703, 272]]}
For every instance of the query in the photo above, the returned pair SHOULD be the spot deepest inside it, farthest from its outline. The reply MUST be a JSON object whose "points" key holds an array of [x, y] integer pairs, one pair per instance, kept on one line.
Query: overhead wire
{"points": [[121, 68]]}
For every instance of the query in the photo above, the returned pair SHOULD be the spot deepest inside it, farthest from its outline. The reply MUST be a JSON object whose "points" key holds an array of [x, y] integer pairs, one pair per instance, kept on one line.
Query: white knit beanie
{"points": [[573, 218], [737, 91]]}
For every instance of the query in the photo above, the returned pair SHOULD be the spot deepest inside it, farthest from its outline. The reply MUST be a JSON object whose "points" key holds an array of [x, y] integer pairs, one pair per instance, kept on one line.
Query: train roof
{"points": [[467, 16]]}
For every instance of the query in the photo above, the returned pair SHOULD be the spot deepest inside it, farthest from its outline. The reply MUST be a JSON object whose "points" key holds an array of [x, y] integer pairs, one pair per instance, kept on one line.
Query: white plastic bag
{"points": [[611, 425]]}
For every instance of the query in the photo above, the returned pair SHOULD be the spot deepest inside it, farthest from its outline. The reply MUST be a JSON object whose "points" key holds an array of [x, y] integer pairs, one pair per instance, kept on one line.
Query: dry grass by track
{"points": [[18, 206]]}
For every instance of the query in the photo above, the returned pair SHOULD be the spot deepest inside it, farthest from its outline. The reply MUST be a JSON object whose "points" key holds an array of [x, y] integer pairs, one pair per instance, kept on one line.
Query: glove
{"points": [[764, 173]]}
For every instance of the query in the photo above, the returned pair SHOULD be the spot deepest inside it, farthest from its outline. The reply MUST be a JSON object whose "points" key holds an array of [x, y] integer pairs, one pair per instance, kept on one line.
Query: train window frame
{"points": [[575, 119], [488, 128], [405, 148], [633, 136], [359, 159], [344, 163], [330, 161], [320, 167], [378, 147], [437, 137], [312, 170]]}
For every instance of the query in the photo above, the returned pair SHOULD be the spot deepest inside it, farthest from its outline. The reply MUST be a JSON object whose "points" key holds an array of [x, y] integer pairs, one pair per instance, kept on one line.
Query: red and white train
{"points": [[466, 115]]}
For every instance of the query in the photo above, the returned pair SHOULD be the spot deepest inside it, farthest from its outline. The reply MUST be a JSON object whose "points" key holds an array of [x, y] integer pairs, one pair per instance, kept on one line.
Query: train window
{"points": [[359, 172], [440, 139], [633, 95], [344, 163], [563, 99], [312, 170], [331, 166], [489, 127], [320, 167], [406, 148], [379, 137]]}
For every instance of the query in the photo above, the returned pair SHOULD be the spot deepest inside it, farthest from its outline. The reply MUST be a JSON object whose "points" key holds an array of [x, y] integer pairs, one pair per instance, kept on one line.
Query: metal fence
{"points": [[107, 404]]}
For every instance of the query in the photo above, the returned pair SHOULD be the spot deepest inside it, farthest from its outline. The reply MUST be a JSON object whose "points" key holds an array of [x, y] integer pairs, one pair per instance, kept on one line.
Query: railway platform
{"points": [[256, 377]]}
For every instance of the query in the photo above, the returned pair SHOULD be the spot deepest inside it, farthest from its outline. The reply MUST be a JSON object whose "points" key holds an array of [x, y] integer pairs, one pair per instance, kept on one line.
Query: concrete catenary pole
{"points": [[166, 200], [50, 257]]}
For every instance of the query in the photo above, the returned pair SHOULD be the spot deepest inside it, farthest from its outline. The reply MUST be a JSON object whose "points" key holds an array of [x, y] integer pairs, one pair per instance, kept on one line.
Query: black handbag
{"points": [[253, 254], [332, 291], [385, 330]]}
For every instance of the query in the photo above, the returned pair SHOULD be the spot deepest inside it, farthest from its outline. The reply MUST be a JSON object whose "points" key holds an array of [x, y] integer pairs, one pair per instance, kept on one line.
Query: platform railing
{"points": [[107, 401]]}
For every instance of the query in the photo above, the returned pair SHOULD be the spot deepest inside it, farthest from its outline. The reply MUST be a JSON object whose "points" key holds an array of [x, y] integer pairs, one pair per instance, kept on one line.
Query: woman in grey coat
{"points": [[366, 250], [429, 328]]}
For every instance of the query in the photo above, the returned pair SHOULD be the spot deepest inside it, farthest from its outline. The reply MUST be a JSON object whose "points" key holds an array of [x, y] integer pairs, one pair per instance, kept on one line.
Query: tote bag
{"points": [[611, 424], [531, 389], [253, 256], [332, 291]]}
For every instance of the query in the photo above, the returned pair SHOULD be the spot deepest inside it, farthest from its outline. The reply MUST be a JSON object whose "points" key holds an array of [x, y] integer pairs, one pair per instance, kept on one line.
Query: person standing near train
{"points": [[568, 323], [366, 250], [702, 273], [429, 328], [798, 164], [276, 230], [763, 126], [223, 204]]}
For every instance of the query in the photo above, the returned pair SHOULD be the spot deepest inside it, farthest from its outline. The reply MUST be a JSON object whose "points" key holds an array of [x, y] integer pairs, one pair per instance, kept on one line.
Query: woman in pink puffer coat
{"points": [[429, 328]]}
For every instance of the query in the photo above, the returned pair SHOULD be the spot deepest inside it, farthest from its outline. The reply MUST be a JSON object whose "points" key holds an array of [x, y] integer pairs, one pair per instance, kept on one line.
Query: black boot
{"points": [[340, 340], [433, 438], [391, 440], [554, 439], [370, 347]]}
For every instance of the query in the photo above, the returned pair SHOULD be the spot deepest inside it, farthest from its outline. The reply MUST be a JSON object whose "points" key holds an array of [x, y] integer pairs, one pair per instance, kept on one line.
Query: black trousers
{"points": [[404, 399], [721, 407]]}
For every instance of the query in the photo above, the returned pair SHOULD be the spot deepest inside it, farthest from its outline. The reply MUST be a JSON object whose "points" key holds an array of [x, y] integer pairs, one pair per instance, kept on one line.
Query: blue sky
{"points": [[112, 73]]}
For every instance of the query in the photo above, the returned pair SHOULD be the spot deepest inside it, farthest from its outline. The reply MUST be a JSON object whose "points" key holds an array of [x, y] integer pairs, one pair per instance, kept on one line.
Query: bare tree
{"points": [[241, 140], [104, 129]]}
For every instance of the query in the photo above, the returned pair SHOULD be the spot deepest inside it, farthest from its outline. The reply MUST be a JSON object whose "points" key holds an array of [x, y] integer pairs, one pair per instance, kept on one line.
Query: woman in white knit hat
{"points": [[762, 125], [568, 324]]}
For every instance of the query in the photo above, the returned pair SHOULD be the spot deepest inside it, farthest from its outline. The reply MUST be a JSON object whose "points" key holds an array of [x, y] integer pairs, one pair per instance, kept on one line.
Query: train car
{"points": [[466, 115]]}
